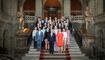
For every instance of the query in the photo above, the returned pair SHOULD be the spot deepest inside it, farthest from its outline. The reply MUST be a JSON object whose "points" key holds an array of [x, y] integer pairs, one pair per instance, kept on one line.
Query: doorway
{"points": [[52, 9]]}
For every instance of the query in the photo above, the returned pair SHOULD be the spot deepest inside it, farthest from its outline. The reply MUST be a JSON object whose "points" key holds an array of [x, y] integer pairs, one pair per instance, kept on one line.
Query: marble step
{"points": [[47, 53], [33, 50], [54, 56], [30, 58], [79, 58], [59, 56], [74, 49], [56, 59], [73, 45]]}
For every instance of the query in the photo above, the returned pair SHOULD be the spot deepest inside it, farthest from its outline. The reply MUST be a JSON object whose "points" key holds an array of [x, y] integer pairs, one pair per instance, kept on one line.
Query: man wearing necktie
{"points": [[39, 38]]}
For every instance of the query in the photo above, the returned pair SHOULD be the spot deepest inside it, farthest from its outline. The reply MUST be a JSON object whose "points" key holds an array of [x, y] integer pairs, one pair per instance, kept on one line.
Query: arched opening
{"points": [[29, 7], [52, 8], [29, 13], [76, 7]]}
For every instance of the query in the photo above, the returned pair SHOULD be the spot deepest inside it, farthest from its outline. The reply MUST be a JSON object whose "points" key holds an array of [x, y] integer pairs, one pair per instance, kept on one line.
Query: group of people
{"points": [[52, 34]]}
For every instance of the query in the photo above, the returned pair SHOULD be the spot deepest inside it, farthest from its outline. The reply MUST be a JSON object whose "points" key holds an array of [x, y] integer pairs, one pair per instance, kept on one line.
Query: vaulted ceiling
{"points": [[29, 5], [52, 3], [76, 5]]}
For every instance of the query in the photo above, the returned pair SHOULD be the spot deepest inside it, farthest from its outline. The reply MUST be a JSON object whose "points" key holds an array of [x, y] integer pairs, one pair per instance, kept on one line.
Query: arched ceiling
{"points": [[76, 5], [54, 3], [29, 5]]}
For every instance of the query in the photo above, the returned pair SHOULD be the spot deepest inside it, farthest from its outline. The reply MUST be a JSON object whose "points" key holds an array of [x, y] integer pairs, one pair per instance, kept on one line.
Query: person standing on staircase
{"points": [[39, 38], [64, 39], [46, 38], [68, 37], [59, 40], [52, 37], [33, 37]]}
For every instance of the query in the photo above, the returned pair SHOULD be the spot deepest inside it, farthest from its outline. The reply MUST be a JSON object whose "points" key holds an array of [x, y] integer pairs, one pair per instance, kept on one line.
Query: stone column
{"points": [[38, 12], [0, 5], [10, 7], [62, 7], [67, 8]]}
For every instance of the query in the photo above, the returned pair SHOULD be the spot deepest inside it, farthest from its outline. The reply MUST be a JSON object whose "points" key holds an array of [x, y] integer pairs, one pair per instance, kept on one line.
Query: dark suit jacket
{"points": [[52, 38]]}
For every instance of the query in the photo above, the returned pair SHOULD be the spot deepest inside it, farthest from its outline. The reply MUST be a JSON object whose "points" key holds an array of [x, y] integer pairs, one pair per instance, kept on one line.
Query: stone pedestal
{"points": [[22, 40], [21, 45], [88, 43]]}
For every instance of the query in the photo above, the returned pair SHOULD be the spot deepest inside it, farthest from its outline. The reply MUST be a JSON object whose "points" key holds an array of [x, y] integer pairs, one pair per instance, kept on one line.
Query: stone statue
{"points": [[20, 14], [88, 17], [20, 20]]}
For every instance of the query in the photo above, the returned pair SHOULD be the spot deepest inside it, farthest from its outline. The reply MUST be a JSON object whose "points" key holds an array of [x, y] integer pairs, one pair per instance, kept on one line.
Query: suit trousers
{"points": [[39, 42]]}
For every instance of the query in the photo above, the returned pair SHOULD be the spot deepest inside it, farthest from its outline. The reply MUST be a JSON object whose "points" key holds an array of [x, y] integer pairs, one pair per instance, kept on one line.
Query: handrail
{"points": [[77, 17], [76, 12], [78, 35]]}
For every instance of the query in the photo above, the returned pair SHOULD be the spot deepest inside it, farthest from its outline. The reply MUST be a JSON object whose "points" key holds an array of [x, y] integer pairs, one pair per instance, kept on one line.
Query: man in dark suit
{"points": [[39, 38], [52, 39]]}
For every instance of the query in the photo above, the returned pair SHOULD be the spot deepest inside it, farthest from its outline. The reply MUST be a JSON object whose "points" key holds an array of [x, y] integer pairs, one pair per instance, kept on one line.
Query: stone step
{"points": [[54, 56], [73, 47], [33, 50], [30, 58], [80, 58], [74, 50], [73, 43], [32, 55], [64, 56], [71, 52], [54, 59]]}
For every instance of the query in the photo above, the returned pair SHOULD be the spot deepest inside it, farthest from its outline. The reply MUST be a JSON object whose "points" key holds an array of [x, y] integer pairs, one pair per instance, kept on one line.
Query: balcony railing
{"points": [[76, 12], [30, 20]]}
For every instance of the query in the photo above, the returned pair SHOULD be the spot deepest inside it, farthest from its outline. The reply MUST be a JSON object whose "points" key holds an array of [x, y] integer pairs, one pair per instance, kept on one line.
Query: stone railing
{"points": [[88, 43], [77, 12], [30, 20], [78, 19]]}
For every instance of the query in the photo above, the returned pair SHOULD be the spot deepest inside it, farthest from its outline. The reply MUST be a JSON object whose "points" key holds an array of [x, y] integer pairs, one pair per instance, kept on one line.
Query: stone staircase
{"points": [[56, 56], [32, 54], [75, 51], [72, 53]]}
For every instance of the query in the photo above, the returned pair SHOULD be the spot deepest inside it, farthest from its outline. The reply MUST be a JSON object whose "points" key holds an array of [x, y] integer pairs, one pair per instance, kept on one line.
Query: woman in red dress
{"points": [[60, 40]]}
